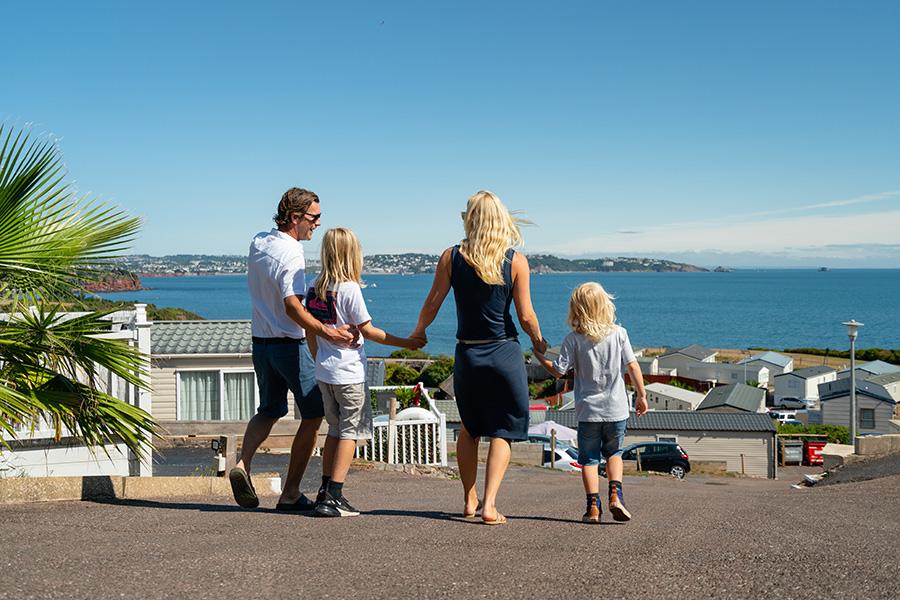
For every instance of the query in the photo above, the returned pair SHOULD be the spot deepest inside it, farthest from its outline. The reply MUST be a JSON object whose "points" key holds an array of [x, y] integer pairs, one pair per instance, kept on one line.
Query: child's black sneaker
{"points": [[335, 507]]}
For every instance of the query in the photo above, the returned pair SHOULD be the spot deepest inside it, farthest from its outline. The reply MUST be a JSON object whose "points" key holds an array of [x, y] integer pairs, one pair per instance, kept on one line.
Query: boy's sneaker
{"points": [[335, 507], [593, 511], [617, 505]]}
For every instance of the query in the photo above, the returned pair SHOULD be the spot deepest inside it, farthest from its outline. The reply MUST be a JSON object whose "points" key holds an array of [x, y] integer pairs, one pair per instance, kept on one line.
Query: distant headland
{"points": [[143, 265]]}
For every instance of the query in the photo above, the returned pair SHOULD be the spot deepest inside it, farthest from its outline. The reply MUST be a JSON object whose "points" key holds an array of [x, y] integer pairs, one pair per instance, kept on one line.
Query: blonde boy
{"points": [[599, 352]]}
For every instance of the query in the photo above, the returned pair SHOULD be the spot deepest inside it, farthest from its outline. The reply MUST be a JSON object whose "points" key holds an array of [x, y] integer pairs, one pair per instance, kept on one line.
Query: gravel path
{"points": [[695, 538], [864, 470]]}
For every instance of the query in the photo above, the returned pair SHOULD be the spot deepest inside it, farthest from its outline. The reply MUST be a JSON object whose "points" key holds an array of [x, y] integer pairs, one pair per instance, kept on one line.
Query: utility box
{"points": [[791, 452], [812, 453]]}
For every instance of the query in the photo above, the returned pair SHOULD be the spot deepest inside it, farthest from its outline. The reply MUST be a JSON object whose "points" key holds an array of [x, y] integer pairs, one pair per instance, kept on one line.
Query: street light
{"points": [[852, 327]]}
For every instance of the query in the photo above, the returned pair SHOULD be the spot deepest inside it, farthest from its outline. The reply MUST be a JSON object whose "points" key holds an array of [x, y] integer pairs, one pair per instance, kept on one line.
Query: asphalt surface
{"points": [[701, 537]]}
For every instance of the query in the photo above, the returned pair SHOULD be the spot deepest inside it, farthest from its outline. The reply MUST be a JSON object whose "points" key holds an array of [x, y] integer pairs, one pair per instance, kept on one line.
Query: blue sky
{"points": [[716, 132]]}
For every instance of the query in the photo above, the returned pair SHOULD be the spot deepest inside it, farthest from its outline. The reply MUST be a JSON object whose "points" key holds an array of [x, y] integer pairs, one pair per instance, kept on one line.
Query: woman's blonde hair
{"points": [[591, 311], [341, 259], [490, 231]]}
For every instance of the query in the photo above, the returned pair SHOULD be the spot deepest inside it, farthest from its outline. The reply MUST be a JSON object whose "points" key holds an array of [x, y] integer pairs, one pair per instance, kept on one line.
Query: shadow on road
{"points": [[195, 506]]}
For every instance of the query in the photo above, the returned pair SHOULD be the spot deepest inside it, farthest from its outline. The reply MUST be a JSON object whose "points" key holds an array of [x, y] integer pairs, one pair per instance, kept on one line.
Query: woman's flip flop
{"points": [[498, 520], [473, 514]]}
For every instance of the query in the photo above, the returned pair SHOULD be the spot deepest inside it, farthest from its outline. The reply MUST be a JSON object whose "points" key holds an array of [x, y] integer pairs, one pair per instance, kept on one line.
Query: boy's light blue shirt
{"points": [[600, 394]]}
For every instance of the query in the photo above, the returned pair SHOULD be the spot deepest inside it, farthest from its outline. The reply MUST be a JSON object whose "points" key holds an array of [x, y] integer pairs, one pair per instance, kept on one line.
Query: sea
{"points": [[739, 309]]}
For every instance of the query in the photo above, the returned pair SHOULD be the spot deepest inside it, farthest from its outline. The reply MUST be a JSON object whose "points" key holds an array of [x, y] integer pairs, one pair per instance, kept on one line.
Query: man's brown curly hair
{"points": [[295, 200]]}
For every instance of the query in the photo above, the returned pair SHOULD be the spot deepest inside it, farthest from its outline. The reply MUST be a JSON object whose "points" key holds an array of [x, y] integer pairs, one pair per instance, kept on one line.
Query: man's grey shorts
{"points": [[348, 411]]}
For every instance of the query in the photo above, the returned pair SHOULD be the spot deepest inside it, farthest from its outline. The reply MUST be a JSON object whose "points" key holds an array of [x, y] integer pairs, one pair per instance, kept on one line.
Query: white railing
{"points": [[408, 440]]}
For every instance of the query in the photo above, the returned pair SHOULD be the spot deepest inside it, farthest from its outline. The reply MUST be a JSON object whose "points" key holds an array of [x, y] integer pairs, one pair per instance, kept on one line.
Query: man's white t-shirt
{"points": [[600, 394], [340, 365], [276, 269]]}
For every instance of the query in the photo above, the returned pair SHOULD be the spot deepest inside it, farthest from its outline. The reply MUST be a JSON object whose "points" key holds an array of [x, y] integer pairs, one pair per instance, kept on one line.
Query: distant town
{"points": [[402, 264]]}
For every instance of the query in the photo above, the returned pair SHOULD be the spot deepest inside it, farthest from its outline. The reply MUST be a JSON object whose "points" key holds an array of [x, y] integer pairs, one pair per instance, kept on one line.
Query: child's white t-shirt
{"points": [[600, 394], [334, 364]]}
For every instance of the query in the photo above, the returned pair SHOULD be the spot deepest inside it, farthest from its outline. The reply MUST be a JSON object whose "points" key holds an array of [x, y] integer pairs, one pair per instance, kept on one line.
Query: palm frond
{"points": [[51, 242]]}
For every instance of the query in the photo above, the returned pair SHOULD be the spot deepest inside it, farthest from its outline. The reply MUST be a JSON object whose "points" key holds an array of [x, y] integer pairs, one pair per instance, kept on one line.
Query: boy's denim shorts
{"points": [[283, 367], [596, 440]]}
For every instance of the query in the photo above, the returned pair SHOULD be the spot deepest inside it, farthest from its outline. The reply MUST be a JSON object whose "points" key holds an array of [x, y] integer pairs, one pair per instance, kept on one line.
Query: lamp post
{"points": [[852, 327]]}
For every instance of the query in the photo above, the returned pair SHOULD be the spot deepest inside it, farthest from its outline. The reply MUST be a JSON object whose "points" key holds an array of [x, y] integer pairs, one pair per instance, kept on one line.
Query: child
{"points": [[598, 351], [336, 299]]}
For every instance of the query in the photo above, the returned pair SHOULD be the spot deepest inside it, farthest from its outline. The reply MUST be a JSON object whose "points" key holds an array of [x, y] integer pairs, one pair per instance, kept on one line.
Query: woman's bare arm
{"points": [[439, 288], [522, 297]]}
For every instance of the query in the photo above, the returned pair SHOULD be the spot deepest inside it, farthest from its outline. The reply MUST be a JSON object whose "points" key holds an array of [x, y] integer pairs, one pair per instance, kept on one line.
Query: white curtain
{"points": [[200, 396], [239, 396]]}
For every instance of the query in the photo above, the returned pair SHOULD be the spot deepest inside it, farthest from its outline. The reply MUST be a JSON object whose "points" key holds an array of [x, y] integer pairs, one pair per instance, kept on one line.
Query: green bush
{"points": [[395, 374], [406, 353], [836, 433], [542, 389], [435, 373], [680, 384], [405, 398]]}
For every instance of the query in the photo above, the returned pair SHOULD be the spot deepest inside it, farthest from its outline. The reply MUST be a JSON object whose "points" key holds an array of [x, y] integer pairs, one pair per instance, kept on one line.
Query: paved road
{"points": [[695, 538]]}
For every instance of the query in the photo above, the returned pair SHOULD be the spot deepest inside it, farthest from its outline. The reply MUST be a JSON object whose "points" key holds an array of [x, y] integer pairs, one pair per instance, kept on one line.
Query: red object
{"points": [[812, 453]]}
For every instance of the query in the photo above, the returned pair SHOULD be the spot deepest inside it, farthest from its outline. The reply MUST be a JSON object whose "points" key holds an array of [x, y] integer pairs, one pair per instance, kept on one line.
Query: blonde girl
{"points": [[336, 300], [487, 275], [599, 351]]}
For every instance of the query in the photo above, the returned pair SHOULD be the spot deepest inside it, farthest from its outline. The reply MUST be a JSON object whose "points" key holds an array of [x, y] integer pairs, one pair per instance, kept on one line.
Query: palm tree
{"points": [[52, 242]]}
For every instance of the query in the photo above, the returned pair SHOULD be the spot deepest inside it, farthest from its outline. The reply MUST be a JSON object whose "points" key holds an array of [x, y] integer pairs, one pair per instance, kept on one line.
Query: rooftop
{"points": [[875, 367], [449, 408], [734, 395], [200, 337], [841, 388], [770, 357], [885, 379], [694, 351], [672, 391], [686, 420], [809, 372]]}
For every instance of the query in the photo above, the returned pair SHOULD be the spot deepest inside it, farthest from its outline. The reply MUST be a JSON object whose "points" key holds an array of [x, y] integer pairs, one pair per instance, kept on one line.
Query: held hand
{"points": [[356, 335], [640, 405], [540, 346], [414, 343], [342, 336], [419, 336]]}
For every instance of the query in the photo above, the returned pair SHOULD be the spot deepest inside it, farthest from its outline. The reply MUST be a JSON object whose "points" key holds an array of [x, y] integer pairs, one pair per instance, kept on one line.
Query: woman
{"points": [[489, 379]]}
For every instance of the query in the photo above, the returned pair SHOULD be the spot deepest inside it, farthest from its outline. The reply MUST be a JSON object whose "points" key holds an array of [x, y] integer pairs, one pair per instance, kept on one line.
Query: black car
{"points": [[664, 457]]}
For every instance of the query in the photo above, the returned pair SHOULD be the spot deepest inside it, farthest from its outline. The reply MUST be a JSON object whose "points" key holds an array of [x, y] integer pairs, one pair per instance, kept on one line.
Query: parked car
{"points": [[566, 458], [663, 457], [789, 403], [540, 438], [783, 415]]}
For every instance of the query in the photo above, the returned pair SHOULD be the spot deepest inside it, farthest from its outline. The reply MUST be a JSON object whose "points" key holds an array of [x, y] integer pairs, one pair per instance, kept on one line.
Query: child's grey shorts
{"points": [[347, 410]]}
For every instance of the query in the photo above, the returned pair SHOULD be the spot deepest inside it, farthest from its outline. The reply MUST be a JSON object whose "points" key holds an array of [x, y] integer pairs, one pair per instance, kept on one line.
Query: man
{"points": [[277, 281]]}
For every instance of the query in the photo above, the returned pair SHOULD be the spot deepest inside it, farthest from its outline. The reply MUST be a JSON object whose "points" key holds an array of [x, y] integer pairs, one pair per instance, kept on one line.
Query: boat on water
{"points": [[823, 269]]}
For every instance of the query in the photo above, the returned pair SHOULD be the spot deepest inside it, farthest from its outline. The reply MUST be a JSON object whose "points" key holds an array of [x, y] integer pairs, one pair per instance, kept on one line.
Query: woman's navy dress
{"points": [[489, 377]]}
